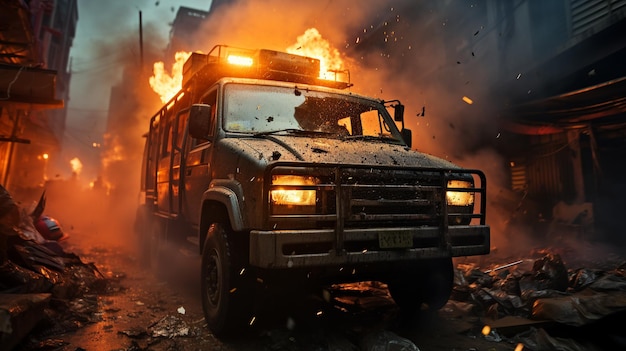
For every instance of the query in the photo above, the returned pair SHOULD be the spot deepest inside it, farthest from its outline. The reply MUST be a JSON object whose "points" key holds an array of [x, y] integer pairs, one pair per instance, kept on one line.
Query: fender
{"points": [[227, 197]]}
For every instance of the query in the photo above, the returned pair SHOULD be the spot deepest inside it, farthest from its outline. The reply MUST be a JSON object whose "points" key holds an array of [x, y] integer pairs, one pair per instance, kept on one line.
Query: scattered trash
{"points": [[181, 310], [169, 327], [526, 294], [135, 333]]}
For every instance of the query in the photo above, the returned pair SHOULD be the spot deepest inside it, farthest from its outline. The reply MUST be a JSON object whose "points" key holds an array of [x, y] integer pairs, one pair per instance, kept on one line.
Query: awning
{"points": [[28, 88], [597, 104]]}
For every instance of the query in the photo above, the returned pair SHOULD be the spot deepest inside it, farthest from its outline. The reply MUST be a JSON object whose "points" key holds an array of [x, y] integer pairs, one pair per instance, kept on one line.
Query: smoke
{"points": [[97, 206], [394, 50]]}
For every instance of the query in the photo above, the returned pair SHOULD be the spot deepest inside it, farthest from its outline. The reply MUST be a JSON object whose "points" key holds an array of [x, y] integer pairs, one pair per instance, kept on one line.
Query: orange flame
{"points": [[77, 166], [163, 83], [312, 44]]}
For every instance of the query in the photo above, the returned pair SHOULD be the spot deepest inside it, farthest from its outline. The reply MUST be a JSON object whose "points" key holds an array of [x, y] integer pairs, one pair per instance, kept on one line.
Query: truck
{"points": [[279, 177]]}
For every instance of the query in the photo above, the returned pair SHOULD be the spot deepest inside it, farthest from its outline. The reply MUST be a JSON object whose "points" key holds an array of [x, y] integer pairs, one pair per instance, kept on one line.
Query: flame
{"points": [[77, 166], [311, 44], [163, 83]]}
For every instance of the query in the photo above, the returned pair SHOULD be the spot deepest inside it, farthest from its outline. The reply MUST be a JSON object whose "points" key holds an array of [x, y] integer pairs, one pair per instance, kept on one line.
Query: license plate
{"points": [[391, 240]]}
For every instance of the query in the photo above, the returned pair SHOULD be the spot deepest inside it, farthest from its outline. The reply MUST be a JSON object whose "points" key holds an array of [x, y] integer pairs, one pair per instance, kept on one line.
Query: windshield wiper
{"points": [[289, 131], [370, 137]]}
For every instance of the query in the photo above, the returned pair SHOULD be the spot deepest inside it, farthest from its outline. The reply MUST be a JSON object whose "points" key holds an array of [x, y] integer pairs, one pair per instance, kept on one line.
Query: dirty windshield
{"points": [[262, 109]]}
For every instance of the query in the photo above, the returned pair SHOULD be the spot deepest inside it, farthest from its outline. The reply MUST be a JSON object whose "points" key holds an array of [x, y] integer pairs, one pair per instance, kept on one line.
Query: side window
{"points": [[166, 146], [182, 121]]}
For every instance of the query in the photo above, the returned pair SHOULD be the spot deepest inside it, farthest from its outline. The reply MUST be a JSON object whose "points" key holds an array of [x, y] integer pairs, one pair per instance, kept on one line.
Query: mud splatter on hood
{"points": [[323, 150]]}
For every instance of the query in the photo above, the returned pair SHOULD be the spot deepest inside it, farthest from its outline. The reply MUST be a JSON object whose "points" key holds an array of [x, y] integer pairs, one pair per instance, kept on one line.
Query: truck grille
{"points": [[353, 197]]}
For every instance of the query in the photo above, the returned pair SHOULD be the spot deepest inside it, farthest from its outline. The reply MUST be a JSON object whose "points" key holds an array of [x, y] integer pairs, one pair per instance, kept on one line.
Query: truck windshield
{"points": [[262, 109]]}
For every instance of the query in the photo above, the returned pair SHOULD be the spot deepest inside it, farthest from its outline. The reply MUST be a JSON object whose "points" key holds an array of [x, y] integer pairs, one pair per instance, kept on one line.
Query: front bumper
{"points": [[318, 248]]}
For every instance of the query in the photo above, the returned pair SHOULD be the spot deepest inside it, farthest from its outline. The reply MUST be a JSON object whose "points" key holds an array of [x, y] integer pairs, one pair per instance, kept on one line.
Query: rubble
{"points": [[531, 296], [39, 281], [19, 313]]}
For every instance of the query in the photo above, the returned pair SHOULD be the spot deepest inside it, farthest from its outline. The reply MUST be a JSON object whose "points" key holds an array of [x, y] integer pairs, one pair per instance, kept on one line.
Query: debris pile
{"points": [[39, 281], [544, 293]]}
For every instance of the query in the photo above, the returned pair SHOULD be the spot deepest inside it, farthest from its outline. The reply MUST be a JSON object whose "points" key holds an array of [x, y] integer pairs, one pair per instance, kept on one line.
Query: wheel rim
{"points": [[212, 278]]}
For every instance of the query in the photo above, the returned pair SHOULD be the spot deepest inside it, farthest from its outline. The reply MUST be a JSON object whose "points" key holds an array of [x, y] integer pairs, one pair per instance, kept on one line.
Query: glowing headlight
{"points": [[289, 195], [460, 198]]}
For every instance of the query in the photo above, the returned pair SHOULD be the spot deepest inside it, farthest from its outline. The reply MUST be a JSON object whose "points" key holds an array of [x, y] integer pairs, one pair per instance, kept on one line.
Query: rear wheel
{"points": [[427, 287], [226, 290]]}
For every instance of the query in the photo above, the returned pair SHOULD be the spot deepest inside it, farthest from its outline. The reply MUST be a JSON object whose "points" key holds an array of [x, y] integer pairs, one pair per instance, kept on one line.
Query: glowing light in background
{"points": [[77, 166]]}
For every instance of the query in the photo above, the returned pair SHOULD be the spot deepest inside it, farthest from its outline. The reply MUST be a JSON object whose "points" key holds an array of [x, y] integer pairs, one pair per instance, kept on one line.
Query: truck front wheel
{"points": [[226, 290]]}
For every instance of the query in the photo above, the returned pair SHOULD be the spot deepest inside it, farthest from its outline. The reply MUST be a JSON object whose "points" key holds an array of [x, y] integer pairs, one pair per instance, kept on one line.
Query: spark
{"points": [[467, 100]]}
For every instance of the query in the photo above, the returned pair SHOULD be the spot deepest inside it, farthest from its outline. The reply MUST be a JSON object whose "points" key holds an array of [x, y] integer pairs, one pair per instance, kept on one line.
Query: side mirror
{"points": [[199, 121], [398, 112], [407, 135]]}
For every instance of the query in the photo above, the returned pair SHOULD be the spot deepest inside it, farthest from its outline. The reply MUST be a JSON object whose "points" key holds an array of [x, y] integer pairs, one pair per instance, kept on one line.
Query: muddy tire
{"points": [[428, 288], [226, 294]]}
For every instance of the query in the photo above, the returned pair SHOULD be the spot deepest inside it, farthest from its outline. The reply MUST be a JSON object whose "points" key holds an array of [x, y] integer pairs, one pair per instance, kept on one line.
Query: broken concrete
{"points": [[19, 313]]}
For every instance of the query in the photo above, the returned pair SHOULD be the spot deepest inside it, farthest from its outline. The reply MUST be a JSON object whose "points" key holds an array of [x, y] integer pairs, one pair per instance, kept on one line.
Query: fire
{"points": [[163, 83], [312, 44], [77, 166]]}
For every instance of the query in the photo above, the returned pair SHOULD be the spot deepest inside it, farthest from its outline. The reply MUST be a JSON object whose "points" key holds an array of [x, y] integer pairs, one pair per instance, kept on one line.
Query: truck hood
{"points": [[324, 150]]}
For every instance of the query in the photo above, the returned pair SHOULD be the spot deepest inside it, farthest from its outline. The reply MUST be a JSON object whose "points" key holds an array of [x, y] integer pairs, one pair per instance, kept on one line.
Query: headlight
{"points": [[460, 198], [291, 191]]}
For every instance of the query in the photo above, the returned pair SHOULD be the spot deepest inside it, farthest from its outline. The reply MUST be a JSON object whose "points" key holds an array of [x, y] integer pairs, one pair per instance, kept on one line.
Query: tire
{"points": [[427, 289], [226, 294]]}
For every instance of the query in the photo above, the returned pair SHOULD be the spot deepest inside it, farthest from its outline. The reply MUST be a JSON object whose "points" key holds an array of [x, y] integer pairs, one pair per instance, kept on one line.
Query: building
{"points": [[34, 81], [183, 32], [551, 77]]}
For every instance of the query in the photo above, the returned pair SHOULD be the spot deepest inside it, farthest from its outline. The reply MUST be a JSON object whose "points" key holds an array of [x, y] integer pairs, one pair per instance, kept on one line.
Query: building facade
{"points": [[35, 81], [548, 83]]}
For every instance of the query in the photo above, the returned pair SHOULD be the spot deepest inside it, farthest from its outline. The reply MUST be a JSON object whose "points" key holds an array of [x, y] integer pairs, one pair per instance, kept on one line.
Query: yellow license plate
{"points": [[391, 240]]}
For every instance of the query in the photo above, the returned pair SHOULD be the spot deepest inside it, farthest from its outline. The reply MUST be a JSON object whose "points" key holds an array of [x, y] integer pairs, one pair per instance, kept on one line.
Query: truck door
{"points": [[169, 165], [197, 166]]}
